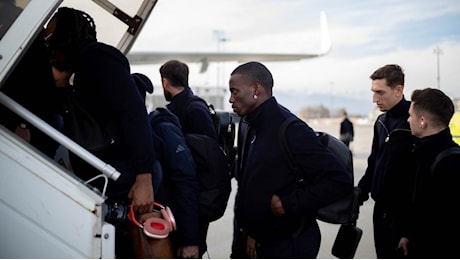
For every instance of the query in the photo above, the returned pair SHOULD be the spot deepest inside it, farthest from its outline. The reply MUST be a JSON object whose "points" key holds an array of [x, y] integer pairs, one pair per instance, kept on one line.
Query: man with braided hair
{"points": [[105, 87]]}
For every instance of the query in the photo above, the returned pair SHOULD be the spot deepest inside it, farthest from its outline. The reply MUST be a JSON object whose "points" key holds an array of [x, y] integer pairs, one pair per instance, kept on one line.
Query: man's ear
{"points": [[165, 83], [258, 89], [423, 121], [399, 90]]}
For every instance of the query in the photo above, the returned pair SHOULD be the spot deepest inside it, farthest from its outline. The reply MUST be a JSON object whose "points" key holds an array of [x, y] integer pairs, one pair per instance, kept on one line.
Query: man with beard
{"points": [[193, 114]]}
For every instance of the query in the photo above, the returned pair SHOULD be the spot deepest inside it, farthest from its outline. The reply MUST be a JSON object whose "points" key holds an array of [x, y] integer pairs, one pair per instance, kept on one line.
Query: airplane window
{"points": [[10, 10]]}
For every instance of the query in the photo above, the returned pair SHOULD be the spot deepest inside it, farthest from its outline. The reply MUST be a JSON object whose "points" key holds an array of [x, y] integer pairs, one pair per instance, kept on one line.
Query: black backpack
{"points": [[345, 210], [214, 161]]}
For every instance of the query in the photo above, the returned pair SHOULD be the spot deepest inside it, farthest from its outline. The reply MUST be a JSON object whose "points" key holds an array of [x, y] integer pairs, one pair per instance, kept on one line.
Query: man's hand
{"points": [[23, 132], [403, 245], [61, 78], [277, 206], [251, 247], [188, 252], [141, 194], [362, 197]]}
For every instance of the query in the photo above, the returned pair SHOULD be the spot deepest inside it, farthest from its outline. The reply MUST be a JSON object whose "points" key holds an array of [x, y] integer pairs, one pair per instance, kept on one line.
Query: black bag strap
{"points": [[212, 111], [285, 147], [444, 154], [185, 109]]}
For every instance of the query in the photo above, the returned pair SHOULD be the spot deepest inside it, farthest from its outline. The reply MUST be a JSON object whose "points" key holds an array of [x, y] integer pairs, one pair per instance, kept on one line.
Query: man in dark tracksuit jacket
{"points": [[179, 186], [390, 164], [194, 115], [432, 228], [175, 182], [277, 214]]}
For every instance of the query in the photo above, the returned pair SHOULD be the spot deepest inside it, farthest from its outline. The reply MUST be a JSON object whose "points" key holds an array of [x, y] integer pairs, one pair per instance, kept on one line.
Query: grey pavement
{"points": [[220, 232]]}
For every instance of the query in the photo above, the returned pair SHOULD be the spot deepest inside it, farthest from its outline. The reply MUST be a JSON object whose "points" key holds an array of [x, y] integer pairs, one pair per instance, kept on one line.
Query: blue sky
{"points": [[365, 35]]}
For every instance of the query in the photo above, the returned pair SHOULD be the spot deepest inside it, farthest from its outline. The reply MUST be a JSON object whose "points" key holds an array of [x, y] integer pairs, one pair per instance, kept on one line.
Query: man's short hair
{"points": [[434, 104], [176, 72], [393, 73], [256, 72]]}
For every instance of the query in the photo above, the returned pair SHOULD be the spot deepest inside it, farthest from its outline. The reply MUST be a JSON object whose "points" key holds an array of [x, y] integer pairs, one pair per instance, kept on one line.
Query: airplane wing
{"points": [[142, 58]]}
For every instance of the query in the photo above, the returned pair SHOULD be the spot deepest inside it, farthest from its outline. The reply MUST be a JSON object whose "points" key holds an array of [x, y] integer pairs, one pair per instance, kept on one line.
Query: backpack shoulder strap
{"points": [[282, 137], [187, 104], [442, 155]]}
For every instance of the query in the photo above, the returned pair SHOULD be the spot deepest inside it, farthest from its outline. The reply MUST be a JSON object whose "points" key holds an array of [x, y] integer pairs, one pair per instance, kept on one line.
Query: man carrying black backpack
{"points": [[179, 186], [274, 212], [194, 116]]}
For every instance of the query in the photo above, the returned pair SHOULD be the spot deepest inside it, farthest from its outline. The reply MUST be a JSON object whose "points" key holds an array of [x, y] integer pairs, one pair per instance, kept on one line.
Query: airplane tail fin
{"points": [[326, 44]]}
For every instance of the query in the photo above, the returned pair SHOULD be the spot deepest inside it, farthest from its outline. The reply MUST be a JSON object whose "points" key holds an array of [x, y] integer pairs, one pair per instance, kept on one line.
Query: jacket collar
{"points": [[178, 101], [262, 112], [401, 109]]}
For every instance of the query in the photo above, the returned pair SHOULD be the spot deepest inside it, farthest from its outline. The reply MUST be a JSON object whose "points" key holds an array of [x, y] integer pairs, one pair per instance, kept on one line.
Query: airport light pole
{"points": [[219, 35], [438, 51], [331, 108]]}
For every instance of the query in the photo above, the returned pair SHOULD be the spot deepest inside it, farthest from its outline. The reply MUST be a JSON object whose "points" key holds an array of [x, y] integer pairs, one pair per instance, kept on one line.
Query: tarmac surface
{"points": [[221, 231]]}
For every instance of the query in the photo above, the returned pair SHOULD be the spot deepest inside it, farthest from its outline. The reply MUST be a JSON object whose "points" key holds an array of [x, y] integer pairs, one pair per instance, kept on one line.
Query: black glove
{"points": [[362, 197]]}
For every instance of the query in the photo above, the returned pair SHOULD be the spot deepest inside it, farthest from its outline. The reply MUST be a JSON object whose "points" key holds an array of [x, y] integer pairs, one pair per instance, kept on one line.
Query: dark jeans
{"points": [[385, 238], [304, 243], [238, 243], [204, 226]]}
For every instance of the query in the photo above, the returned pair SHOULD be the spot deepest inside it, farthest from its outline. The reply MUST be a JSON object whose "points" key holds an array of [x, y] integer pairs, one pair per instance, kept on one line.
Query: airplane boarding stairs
{"points": [[46, 211]]}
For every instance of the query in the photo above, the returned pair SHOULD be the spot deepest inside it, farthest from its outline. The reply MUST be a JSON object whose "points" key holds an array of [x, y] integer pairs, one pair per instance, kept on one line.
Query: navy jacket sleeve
{"points": [[366, 181], [181, 183]]}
